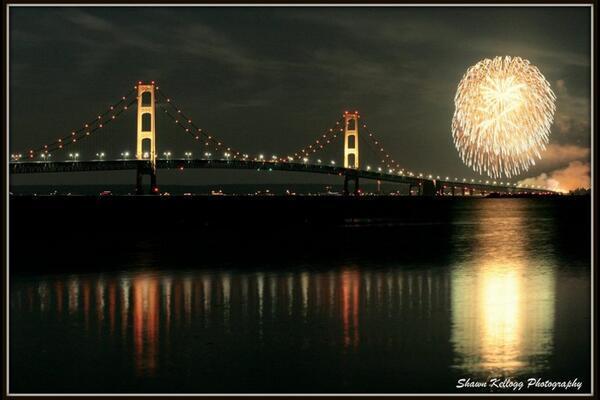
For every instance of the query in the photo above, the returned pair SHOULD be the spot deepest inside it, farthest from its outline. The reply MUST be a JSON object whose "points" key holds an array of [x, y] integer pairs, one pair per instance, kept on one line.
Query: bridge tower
{"points": [[146, 135], [351, 159]]}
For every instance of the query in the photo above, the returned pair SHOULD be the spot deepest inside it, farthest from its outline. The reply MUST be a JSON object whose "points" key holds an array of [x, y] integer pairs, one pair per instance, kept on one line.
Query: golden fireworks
{"points": [[503, 112]]}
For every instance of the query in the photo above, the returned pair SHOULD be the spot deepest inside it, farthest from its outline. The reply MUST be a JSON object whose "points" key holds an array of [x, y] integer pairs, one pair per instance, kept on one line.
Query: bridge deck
{"points": [[29, 167]]}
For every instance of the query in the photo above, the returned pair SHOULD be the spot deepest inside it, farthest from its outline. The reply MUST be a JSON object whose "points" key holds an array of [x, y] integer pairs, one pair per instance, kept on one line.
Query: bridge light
{"points": [[319, 161], [420, 175], [379, 169], [261, 157], [430, 176], [368, 167], [274, 157], [145, 155], [332, 162]]}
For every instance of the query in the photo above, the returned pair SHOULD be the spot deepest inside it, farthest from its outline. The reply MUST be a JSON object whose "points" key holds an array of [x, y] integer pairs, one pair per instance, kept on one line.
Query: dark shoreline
{"points": [[78, 233]]}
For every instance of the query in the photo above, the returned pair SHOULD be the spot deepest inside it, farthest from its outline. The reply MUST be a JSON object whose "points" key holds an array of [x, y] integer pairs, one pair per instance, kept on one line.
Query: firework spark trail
{"points": [[504, 109]]}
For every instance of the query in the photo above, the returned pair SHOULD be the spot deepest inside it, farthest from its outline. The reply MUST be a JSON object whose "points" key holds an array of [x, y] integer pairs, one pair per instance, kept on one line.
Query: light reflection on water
{"points": [[494, 310], [502, 300]]}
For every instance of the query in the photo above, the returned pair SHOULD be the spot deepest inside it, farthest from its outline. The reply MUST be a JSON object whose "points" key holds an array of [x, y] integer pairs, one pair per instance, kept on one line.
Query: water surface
{"points": [[500, 288]]}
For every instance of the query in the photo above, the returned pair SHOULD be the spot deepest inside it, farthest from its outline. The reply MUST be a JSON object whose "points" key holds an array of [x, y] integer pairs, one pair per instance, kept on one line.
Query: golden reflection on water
{"points": [[150, 313], [502, 301]]}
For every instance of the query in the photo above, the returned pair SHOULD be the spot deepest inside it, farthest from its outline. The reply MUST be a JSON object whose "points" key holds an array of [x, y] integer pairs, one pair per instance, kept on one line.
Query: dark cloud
{"points": [[271, 79]]}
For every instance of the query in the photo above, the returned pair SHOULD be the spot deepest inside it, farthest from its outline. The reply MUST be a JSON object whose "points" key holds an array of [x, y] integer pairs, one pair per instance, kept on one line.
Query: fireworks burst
{"points": [[504, 110]]}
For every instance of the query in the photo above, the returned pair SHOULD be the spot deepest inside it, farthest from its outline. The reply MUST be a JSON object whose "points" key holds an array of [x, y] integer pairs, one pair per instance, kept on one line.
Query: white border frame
{"points": [[304, 5]]}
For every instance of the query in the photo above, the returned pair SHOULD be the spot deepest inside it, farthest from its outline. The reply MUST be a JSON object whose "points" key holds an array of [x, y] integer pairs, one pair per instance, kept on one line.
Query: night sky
{"points": [[272, 79]]}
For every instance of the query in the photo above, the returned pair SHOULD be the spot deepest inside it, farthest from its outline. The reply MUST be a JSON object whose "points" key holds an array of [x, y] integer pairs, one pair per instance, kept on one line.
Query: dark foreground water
{"points": [[295, 296]]}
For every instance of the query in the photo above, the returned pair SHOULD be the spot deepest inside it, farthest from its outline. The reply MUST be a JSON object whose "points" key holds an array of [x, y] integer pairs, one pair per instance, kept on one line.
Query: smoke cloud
{"points": [[576, 175]]}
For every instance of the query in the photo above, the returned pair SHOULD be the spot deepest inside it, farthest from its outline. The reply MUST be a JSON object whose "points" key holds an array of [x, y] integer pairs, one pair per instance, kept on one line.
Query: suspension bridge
{"points": [[217, 155]]}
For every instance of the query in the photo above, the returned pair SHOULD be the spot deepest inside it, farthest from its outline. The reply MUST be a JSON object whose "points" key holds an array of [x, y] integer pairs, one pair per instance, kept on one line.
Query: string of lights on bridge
{"points": [[87, 129], [387, 163]]}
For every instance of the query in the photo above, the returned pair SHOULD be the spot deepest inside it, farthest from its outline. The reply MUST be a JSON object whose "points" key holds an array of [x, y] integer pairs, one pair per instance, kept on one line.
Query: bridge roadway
{"points": [[424, 185]]}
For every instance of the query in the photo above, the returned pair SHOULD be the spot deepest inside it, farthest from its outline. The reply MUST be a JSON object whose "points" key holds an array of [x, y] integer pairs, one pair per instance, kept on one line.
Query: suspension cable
{"points": [[86, 130]]}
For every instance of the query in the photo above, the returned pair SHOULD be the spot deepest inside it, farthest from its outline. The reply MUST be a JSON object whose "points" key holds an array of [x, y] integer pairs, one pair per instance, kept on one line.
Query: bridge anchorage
{"points": [[216, 154]]}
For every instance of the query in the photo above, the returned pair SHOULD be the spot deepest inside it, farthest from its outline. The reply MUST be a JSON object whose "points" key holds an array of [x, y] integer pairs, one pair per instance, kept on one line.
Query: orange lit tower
{"points": [[146, 134], [351, 159]]}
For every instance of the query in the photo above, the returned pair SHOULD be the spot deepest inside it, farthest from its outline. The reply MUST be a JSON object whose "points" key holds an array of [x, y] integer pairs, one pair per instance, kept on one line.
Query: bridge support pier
{"points": [[145, 170], [347, 179]]}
